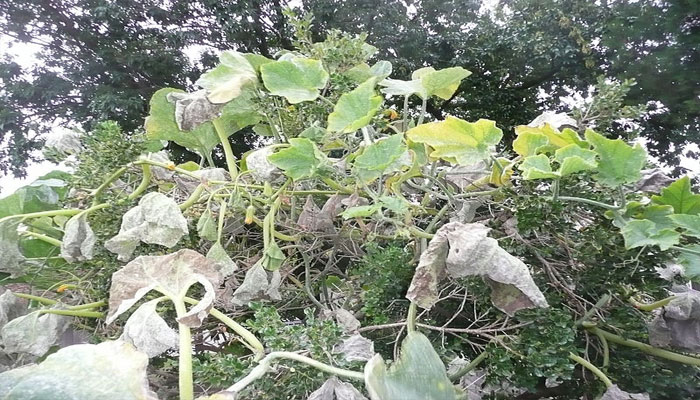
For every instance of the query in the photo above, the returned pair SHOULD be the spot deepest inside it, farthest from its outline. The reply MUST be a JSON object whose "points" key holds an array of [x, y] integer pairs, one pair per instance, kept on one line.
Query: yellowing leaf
{"points": [[426, 82], [297, 79], [355, 109], [380, 158], [556, 139], [529, 143], [456, 140]]}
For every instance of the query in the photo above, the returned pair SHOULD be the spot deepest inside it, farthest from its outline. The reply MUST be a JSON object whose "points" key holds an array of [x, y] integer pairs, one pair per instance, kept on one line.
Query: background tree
{"points": [[104, 59]]}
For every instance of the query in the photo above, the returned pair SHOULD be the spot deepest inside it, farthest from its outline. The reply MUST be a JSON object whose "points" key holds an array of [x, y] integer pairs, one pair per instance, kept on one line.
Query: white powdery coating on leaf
{"points": [[258, 284], [356, 348], [33, 333], [106, 371], [11, 307], [460, 250], [78, 240], [148, 331], [615, 393], [557, 120], [260, 168], [156, 220], [335, 389]]}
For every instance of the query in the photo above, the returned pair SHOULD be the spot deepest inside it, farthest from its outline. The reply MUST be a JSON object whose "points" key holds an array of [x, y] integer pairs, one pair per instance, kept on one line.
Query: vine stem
{"points": [[587, 201], [608, 383], [261, 369], [145, 181], [467, 368], [185, 381], [250, 339], [411, 317], [647, 348], [73, 313], [423, 107], [194, 197], [651, 306], [43, 238], [96, 193], [228, 151]]}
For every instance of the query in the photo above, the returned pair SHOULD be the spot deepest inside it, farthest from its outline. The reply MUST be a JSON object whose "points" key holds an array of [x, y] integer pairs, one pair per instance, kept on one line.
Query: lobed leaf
{"points": [[225, 82], [302, 159], [618, 162], [355, 109], [379, 158], [458, 141], [297, 79], [643, 232], [680, 196]]}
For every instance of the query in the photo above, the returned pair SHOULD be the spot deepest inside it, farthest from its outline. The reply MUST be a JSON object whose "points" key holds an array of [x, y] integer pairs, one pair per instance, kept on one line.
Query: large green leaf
{"points": [[418, 374], [691, 223], [380, 158], [529, 143], [239, 113], [355, 109], [691, 263], [161, 125], [295, 78], [643, 232], [106, 371], [680, 197], [302, 159], [537, 167], [618, 162], [427, 82], [456, 140], [226, 81]]}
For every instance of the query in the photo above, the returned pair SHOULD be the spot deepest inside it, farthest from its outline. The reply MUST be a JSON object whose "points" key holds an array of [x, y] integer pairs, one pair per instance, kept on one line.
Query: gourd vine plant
{"points": [[344, 156]]}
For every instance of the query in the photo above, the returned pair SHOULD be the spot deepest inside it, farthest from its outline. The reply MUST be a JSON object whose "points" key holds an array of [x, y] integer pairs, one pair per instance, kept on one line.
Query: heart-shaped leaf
{"points": [[618, 162], [302, 159], [225, 82], [355, 109], [295, 78], [680, 196]]}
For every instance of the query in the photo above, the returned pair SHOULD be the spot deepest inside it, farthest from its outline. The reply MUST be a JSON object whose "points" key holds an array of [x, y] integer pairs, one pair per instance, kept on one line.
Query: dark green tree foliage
{"points": [[103, 59]]}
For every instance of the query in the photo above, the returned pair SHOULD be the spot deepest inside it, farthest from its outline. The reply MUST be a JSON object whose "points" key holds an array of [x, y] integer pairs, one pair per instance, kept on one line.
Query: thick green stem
{"points": [[185, 361], [74, 313], [51, 213], [88, 306], [602, 302], [649, 349], [97, 192], [38, 299], [335, 185], [228, 151], [591, 368], [404, 126], [651, 306], [266, 363], [411, 317], [606, 350], [194, 197], [250, 339], [43, 238], [467, 368], [423, 107], [145, 181]]}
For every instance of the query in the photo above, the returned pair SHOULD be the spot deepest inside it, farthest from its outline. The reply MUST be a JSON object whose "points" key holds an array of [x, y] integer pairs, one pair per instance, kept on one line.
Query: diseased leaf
{"points": [[680, 196], [239, 113], [34, 333], [335, 389], [107, 371], [261, 169], [314, 133], [573, 158], [360, 211], [193, 109], [355, 109], [653, 180], [615, 393], [691, 223], [258, 284], [172, 275], [207, 226], [355, 348], [11, 259], [537, 167], [79, 240], [379, 158], [556, 120], [225, 264], [461, 250], [418, 374], [678, 325], [643, 232], [297, 79], [11, 307], [64, 141], [273, 257], [301, 160], [156, 220], [618, 162], [161, 125], [458, 141], [225, 82], [148, 331], [41, 195]]}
